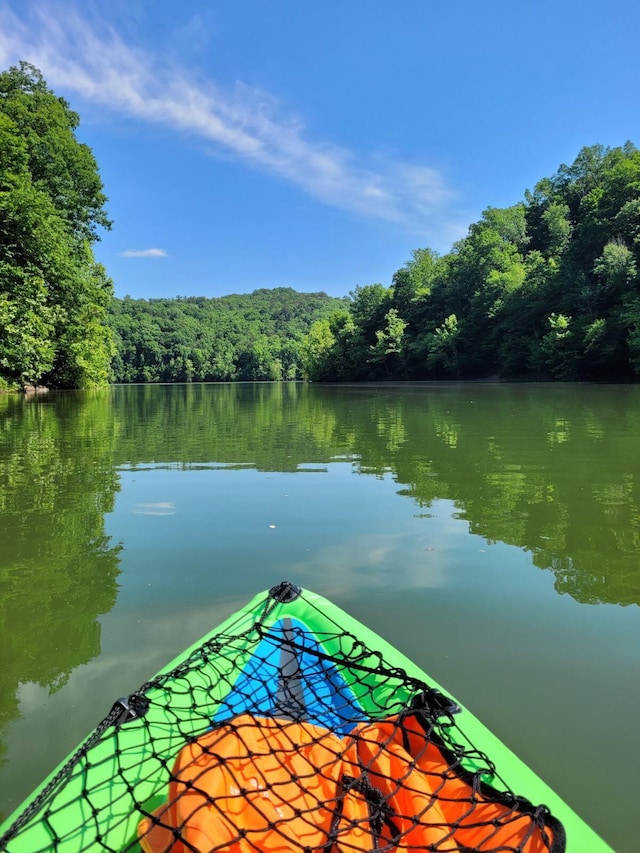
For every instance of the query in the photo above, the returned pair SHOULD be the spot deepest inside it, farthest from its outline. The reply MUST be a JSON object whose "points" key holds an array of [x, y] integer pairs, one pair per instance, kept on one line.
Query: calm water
{"points": [[490, 532]]}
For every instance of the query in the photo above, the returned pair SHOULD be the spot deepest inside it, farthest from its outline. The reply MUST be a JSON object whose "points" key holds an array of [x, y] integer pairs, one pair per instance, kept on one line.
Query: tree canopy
{"points": [[254, 336], [548, 289], [53, 295]]}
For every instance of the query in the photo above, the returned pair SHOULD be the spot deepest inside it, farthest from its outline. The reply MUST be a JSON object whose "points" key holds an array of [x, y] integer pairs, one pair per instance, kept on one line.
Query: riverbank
{"points": [[29, 390]]}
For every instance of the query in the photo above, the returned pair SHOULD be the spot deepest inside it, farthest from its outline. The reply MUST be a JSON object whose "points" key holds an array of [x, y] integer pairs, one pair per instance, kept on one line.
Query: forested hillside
{"points": [[53, 295], [548, 288], [252, 336]]}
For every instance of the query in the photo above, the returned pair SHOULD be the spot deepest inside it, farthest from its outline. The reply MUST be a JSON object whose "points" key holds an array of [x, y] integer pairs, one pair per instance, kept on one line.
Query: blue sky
{"points": [[266, 143]]}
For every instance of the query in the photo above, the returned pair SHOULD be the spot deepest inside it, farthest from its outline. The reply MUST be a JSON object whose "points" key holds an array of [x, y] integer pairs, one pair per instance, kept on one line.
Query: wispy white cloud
{"points": [[91, 59], [144, 253]]}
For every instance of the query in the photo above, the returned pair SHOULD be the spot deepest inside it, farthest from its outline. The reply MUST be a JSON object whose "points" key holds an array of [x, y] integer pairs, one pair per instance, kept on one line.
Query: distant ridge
{"points": [[252, 336]]}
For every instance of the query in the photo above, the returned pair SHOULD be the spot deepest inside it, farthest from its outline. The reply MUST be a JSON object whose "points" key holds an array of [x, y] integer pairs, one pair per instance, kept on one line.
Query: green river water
{"points": [[491, 532]]}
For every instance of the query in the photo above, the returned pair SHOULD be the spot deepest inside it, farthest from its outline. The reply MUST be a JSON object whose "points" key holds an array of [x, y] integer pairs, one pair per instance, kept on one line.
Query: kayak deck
{"points": [[292, 726]]}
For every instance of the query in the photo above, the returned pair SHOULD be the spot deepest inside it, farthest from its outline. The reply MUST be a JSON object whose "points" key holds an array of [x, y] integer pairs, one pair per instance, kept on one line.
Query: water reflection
{"points": [[58, 569], [553, 470]]}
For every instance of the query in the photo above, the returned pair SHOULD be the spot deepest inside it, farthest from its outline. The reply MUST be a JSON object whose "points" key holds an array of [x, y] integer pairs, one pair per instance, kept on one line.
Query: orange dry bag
{"points": [[258, 784], [272, 785], [437, 804]]}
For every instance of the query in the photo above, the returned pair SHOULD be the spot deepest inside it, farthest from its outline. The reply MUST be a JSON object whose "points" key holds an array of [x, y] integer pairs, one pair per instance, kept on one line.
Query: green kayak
{"points": [[293, 727]]}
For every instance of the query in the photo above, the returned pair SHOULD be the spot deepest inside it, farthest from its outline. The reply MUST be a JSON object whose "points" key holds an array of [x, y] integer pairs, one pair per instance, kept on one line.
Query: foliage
{"points": [[53, 296], [548, 288], [442, 346], [387, 351], [254, 336]]}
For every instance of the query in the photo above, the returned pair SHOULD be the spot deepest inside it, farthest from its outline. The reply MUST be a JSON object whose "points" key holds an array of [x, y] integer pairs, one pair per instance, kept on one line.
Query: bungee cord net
{"points": [[272, 738]]}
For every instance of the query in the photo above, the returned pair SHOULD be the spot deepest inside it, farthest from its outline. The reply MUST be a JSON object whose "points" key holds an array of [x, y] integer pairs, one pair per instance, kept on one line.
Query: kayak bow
{"points": [[291, 726]]}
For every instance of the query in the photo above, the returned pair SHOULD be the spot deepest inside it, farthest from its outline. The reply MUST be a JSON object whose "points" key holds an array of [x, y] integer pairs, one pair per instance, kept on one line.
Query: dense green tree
{"points": [[369, 305], [559, 228], [53, 296], [546, 288], [254, 336], [414, 281], [387, 351], [361, 341], [442, 347], [616, 267], [26, 325], [319, 351]]}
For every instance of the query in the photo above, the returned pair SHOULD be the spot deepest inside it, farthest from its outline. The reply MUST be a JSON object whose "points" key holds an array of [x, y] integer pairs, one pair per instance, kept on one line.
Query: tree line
{"points": [[548, 289], [60, 324], [256, 336]]}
